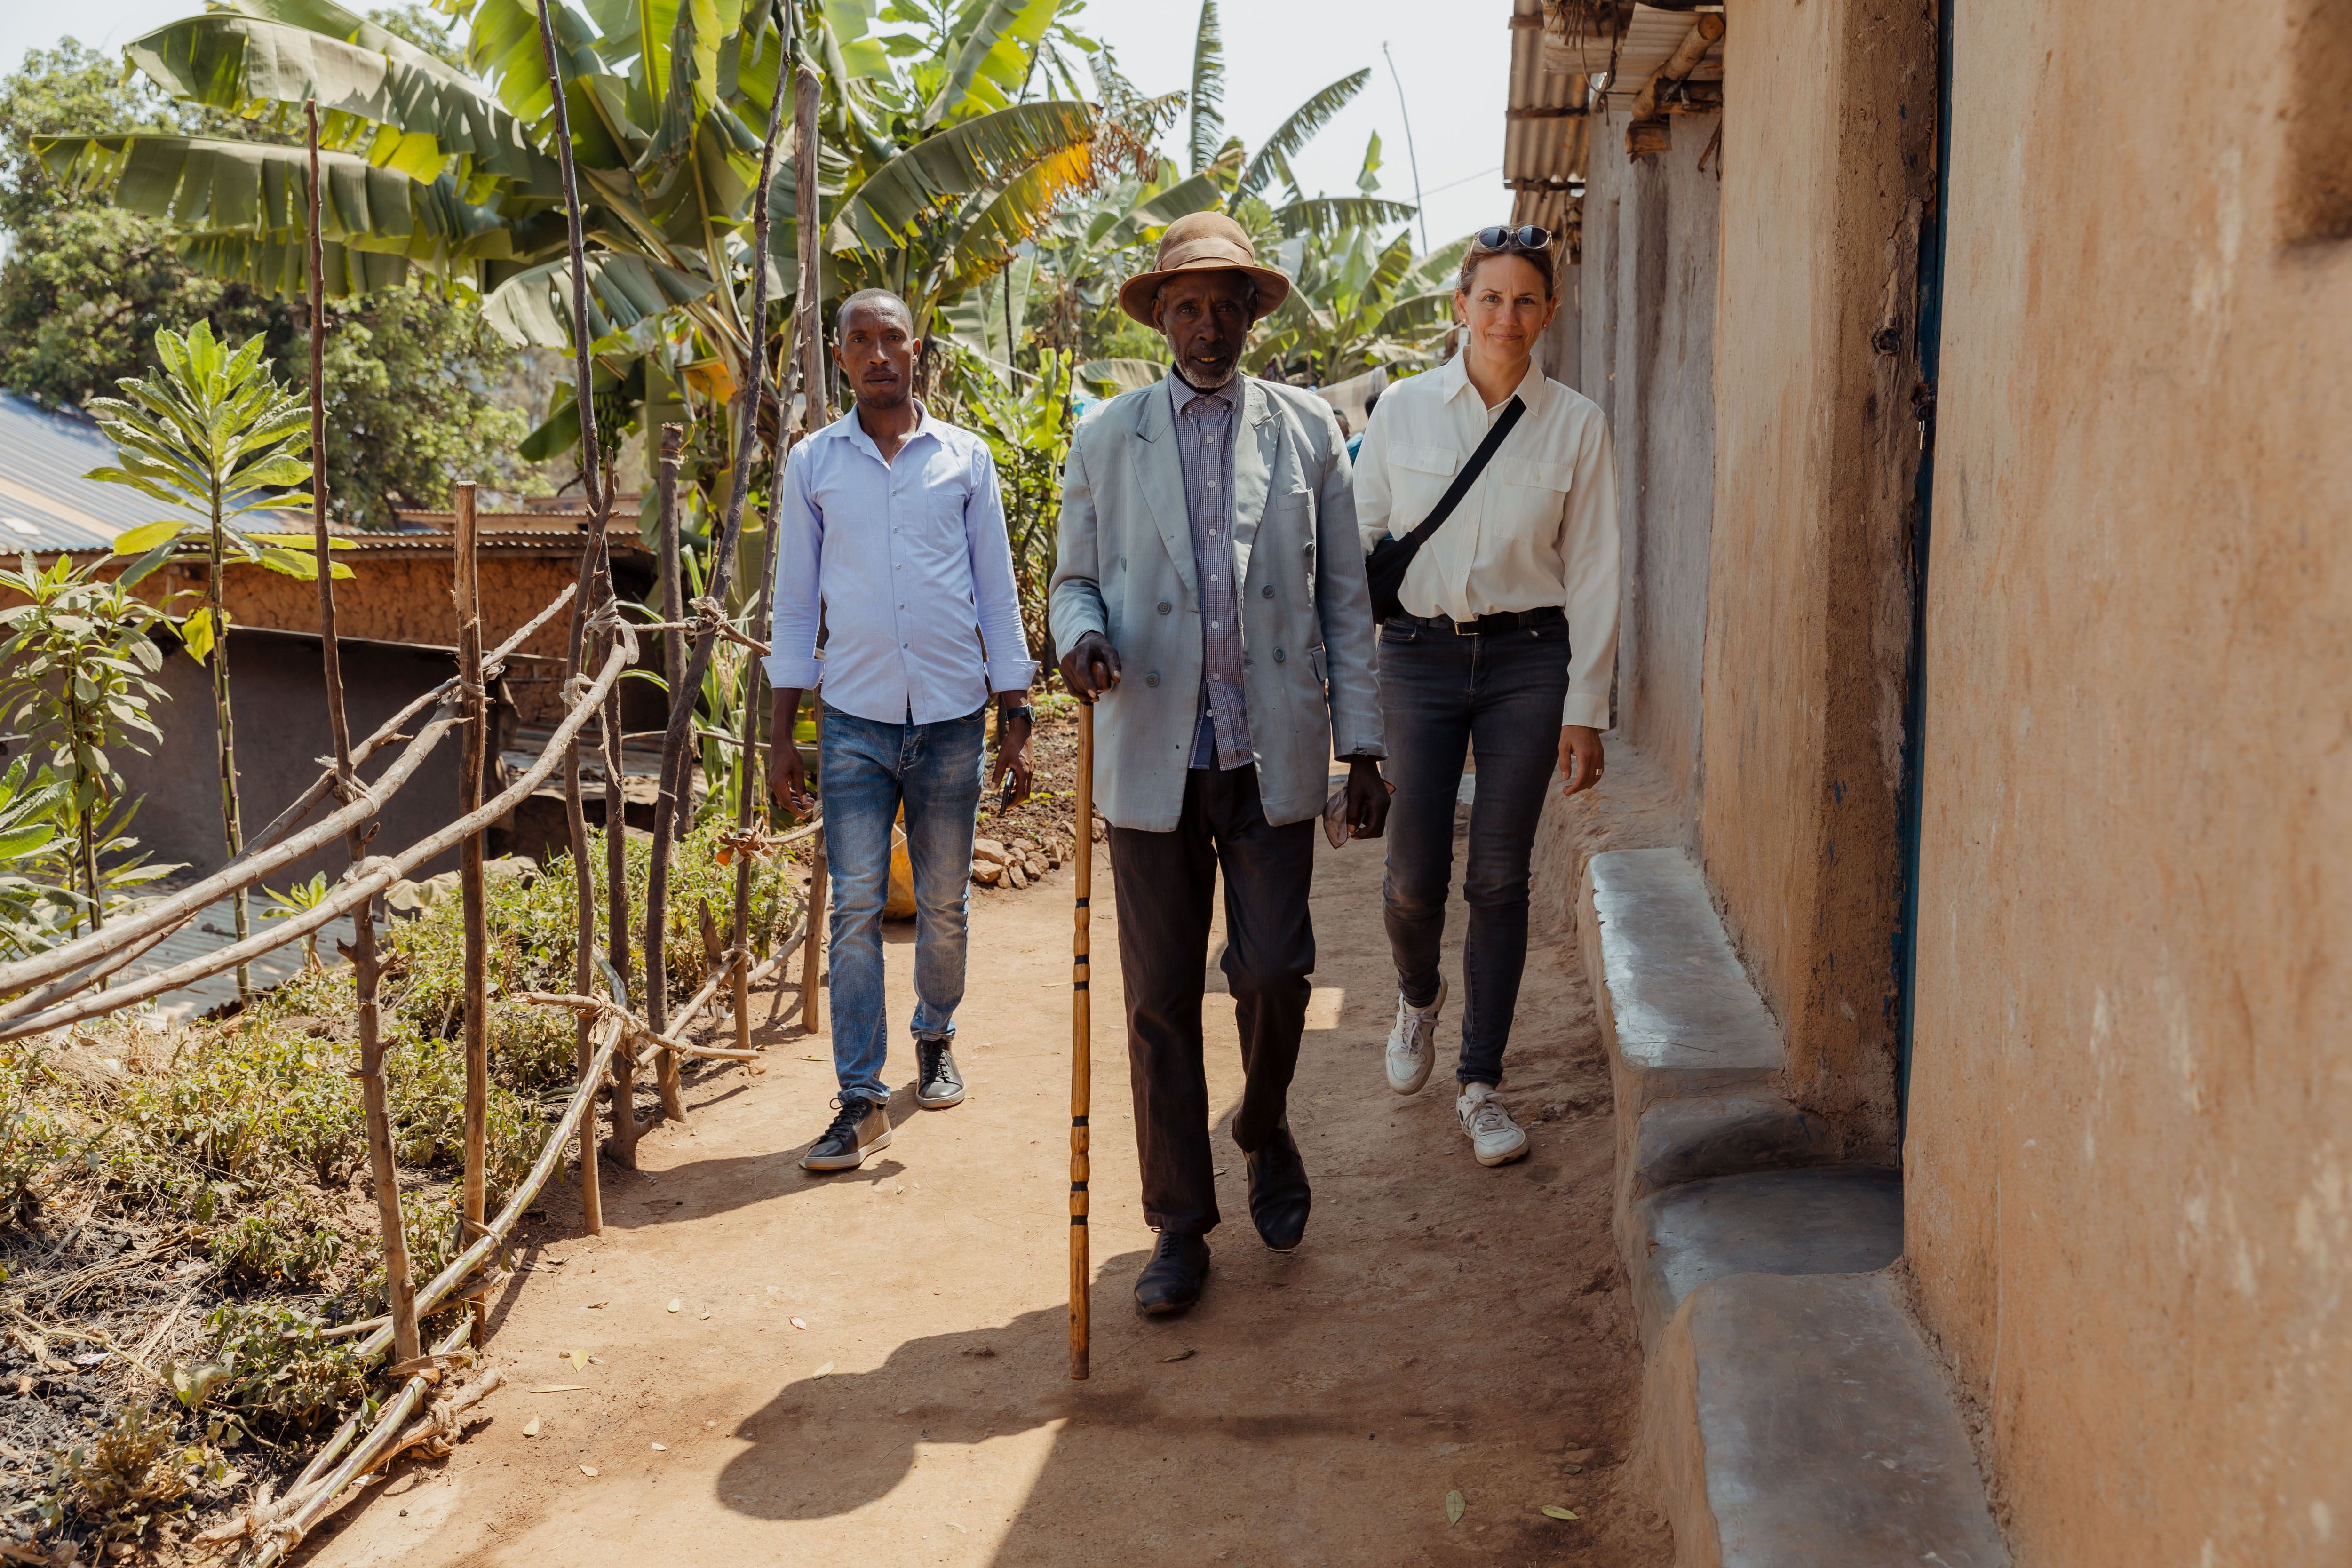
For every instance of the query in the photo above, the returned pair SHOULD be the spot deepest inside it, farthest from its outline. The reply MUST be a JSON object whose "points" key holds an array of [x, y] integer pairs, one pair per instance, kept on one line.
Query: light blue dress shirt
{"points": [[908, 565]]}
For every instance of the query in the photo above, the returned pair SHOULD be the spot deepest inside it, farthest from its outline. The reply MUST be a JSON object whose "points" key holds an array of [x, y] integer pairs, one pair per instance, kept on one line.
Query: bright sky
{"points": [[1454, 59]]}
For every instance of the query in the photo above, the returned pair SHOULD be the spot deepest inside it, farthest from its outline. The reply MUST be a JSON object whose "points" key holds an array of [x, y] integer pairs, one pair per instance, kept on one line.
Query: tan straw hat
{"points": [[1203, 242]]}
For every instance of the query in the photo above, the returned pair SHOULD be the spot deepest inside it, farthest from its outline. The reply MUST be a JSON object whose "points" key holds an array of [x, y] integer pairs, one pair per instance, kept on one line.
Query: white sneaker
{"points": [[1412, 1042], [1495, 1138]]}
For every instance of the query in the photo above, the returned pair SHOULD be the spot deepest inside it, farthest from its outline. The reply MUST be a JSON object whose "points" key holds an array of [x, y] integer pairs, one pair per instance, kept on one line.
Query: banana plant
{"points": [[79, 661], [216, 435], [936, 164]]}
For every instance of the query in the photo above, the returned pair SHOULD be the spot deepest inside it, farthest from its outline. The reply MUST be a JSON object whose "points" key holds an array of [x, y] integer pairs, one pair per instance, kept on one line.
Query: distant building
{"points": [[396, 620]]}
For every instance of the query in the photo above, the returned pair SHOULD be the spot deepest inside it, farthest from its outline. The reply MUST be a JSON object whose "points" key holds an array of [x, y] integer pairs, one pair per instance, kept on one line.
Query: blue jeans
{"points": [[1441, 693], [867, 771]]}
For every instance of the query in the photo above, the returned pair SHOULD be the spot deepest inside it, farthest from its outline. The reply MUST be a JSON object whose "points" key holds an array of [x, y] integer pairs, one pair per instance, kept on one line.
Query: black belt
{"points": [[1486, 625]]}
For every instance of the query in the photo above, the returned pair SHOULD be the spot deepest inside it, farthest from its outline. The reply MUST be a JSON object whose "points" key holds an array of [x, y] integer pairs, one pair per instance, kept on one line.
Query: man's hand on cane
{"points": [[1091, 665]]}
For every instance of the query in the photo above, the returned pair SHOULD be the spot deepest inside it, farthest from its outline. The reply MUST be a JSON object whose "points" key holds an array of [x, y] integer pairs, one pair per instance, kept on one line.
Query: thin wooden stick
{"points": [[819, 885], [616, 926], [808, 220], [671, 565], [375, 1101], [748, 794], [472, 886], [1082, 1049], [671, 808], [673, 590], [590, 576]]}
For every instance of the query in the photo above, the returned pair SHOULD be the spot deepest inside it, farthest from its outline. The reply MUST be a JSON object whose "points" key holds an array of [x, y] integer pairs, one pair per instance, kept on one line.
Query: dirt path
{"points": [[1444, 1328]]}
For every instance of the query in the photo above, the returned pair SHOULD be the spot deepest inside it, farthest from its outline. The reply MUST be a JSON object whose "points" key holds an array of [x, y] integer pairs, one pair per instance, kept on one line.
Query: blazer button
{"points": [[1151, 680], [1163, 606], [1266, 591], [1279, 655]]}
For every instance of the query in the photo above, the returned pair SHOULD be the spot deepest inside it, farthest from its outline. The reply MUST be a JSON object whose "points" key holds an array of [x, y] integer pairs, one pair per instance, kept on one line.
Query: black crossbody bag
{"points": [[1391, 558]]}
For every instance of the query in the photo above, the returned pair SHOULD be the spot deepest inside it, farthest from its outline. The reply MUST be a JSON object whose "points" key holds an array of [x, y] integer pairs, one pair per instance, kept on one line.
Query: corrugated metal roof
{"points": [[45, 503], [1544, 131], [1557, 57]]}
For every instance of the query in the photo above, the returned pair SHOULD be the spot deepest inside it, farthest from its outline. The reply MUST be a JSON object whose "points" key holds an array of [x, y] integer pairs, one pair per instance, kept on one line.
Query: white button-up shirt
{"points": [[908, 565], [1539, 527]]}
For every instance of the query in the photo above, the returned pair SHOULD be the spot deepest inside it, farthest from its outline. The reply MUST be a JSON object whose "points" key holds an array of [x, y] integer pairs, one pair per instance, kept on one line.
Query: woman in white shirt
{"points": [[1505, 649]]}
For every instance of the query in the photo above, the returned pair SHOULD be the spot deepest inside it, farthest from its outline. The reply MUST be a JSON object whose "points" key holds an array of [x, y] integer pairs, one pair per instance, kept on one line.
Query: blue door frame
{"points": [[1915, 701]]}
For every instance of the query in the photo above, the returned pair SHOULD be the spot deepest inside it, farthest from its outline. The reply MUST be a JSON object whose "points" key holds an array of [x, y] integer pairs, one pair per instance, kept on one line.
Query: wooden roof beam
{"points": [[1704, 35]]}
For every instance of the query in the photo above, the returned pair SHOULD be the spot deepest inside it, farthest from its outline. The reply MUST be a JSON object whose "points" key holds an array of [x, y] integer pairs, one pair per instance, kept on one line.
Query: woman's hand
{"points": [[1579, 757]]}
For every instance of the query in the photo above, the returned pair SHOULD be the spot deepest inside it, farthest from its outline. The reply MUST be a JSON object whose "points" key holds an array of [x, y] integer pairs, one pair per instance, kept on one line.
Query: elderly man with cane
{"points": [[1210, 593]]}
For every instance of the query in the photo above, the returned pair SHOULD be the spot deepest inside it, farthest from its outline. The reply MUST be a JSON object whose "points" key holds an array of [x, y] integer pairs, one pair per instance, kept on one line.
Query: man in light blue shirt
{"points": [[890, 534]]}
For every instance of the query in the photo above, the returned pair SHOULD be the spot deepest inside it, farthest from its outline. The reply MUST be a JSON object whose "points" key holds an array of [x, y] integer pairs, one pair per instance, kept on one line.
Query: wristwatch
{"points": [[1024, 712]]}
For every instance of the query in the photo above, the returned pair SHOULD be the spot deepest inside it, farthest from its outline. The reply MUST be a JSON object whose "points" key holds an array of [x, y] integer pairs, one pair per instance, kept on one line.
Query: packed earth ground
{"points": [[774, 1366]]}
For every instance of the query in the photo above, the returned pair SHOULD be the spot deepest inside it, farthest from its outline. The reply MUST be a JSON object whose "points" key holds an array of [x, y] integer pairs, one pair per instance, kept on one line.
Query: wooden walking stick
{"points": [[1081, 1045]]}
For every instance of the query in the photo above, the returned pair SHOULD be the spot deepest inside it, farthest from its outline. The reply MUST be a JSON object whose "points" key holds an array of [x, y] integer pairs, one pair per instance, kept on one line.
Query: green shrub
{"points": [[271, 1372]]}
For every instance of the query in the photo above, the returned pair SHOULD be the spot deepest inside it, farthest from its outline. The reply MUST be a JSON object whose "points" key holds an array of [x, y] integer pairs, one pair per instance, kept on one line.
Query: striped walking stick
{"points": [[1081, 1041]]}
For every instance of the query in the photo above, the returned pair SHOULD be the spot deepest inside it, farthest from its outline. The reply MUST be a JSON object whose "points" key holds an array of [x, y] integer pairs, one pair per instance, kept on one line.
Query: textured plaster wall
{"points": [[1827, 158], [2129, 1194], [1657, 223]]}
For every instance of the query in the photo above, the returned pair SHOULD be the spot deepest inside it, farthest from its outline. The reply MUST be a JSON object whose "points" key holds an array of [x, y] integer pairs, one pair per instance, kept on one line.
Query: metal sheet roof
{"points": [[45, 503], [1557, 60], [1543, 130]]}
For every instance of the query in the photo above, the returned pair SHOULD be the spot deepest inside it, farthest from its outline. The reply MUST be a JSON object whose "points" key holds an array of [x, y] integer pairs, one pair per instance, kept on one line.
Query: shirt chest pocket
{"points": [[1532, 493], [1418, 477], [927, 519]]}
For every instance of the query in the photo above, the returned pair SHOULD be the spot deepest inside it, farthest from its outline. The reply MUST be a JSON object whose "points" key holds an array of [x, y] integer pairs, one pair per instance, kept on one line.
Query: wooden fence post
{"points": [[674, 786], [808, 97], [470, 884], [590, 600], [366, 970]]}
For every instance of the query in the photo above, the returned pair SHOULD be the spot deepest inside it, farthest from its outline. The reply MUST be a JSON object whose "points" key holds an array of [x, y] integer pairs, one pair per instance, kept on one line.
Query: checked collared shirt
{"points": [[1204, 449]]}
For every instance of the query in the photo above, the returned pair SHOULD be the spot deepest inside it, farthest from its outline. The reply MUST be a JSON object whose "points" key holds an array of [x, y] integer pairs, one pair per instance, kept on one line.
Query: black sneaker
{"points": [[861, 1127], [938, 1085]]}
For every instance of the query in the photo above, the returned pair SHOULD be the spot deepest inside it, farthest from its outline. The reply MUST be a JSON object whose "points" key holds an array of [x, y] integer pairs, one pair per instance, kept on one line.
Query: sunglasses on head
{"points": [[1527, 237]]}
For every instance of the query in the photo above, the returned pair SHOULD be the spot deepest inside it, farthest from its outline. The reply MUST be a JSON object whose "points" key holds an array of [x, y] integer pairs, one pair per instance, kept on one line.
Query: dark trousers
{"points": [[1165, 883], [1440, 692]]}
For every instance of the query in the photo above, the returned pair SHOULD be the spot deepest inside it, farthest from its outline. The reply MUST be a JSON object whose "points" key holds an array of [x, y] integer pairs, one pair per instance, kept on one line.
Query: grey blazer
{"points": [[1126, 571]]}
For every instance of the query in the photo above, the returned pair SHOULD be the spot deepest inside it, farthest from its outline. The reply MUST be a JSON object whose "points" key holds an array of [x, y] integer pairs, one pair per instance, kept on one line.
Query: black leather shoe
{"points": [[938, 1085], [1172, 1282], [1278, 1197]]}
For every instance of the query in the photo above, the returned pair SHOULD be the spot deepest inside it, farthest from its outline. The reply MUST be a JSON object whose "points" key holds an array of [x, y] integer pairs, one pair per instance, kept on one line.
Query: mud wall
{"points": [[1827, 158], [409, 598], [2129, 1194], [1651, 236]]}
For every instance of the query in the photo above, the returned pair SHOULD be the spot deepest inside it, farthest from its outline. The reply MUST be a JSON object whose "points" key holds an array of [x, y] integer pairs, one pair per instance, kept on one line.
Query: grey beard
{"points": [[1194, 379]]}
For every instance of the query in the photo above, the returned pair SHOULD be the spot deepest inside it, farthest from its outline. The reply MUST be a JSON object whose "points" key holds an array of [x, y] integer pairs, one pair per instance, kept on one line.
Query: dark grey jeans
{"points": [[1442, 692]]}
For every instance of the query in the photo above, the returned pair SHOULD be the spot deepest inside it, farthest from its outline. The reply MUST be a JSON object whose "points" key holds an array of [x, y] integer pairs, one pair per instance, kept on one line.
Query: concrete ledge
{"points": [[1832, 1221], [1681, 1015], [1721, 1134], [1799, 1421]]}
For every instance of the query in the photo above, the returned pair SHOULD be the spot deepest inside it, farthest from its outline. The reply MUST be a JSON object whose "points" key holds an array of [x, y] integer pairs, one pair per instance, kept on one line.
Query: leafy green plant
{"points": [[36, 913], [271, 1374], [33, 1141], [79, 662], [217, 438], [297, 901]]}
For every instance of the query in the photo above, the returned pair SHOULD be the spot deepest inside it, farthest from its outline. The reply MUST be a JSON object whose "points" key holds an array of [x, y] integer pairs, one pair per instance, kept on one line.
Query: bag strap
{"points": [[1468, 476]]}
